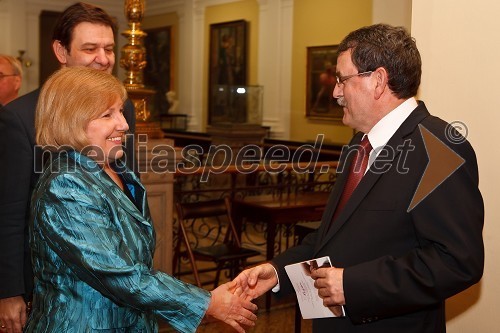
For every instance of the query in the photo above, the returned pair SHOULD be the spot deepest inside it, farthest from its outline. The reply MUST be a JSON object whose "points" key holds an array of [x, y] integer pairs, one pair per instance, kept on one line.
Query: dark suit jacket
{"points": [[19, 169], [400, 264]]}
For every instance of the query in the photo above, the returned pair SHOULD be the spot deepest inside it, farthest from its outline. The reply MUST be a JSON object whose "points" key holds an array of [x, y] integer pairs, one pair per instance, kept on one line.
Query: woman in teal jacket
{"points": [[91, 234]]}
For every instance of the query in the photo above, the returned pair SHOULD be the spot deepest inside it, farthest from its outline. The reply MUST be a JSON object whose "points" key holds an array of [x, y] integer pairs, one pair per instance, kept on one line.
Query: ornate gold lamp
{"points": [[133, 60]]}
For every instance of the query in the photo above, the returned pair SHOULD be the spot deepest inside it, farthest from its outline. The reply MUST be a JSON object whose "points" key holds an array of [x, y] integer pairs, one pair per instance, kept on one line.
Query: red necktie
{"points": [[356, 172]]}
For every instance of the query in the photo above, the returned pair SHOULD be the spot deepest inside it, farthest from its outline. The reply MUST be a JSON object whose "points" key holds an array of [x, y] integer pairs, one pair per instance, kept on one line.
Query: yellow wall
{"points": [[459, 44], [247, 10], [394, 12], [316, 23]]}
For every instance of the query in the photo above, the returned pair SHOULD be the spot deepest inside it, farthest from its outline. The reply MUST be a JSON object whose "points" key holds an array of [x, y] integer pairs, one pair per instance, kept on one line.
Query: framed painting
{"points": [[320, 82], [159, 68], [227, 68]]}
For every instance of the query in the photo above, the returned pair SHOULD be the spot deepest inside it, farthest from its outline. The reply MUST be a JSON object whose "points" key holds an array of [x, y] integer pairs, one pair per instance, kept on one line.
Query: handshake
{"points": [[232, 301]]}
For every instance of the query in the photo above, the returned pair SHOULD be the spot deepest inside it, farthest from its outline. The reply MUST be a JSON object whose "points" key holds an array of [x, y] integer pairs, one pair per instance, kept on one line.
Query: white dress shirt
{"points": [[380, 134]]}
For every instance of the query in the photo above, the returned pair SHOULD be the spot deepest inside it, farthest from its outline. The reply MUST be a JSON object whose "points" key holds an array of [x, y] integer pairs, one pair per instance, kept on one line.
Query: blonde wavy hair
{"points": [[69, 100]]}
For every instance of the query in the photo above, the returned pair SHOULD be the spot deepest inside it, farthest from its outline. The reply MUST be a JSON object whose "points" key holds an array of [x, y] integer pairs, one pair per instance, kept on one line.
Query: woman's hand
{"points": [[233, 309]]}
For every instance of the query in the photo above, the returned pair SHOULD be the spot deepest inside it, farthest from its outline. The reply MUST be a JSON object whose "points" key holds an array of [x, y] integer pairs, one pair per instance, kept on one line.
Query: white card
{"points": [[311, 305]]}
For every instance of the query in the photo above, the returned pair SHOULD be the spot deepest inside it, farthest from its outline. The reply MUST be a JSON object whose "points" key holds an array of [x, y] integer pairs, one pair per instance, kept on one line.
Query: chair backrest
{"points": [[211, 208]]}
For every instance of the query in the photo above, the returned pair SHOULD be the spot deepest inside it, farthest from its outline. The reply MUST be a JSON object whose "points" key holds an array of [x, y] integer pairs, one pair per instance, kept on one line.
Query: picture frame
{"points": [[158, 73], [320, 82], [228, 68]]}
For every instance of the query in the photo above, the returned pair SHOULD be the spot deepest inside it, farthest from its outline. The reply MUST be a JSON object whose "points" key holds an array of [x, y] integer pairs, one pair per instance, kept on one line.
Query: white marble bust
{"points": [[173, 102]]}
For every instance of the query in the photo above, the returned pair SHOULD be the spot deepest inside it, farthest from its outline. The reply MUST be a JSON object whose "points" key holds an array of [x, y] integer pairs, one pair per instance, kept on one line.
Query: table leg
{"points": [[298, 318], [238, 220], [271, 236]]}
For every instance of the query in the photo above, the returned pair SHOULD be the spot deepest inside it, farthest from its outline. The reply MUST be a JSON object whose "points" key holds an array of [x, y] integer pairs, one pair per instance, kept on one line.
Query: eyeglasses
{"points": [[5, 75], [342, 79]]}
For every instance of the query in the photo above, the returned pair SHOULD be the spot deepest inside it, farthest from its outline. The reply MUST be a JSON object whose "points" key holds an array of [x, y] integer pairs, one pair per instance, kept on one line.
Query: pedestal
{"points": [[140, 97], [155, 168]]}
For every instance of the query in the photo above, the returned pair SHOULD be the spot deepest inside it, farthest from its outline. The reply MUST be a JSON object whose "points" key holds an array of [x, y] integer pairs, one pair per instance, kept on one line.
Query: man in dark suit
{"points": [[410, 234], [83, 36]]}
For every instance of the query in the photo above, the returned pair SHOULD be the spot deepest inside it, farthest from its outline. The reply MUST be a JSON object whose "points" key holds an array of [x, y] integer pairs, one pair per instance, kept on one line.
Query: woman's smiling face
{"points": [[106, 134]]}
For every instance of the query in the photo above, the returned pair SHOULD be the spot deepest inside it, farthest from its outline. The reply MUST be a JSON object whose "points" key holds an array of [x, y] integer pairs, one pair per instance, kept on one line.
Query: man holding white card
{"points": [[403, 224]]}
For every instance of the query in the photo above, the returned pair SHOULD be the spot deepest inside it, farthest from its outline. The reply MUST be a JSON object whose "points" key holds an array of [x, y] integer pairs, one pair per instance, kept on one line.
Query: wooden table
{"points": [[275, 210]]}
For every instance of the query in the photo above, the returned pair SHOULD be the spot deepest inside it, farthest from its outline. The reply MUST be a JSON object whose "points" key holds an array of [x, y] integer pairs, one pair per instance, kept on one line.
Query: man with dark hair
{"points": [[83, 36], [403, 224]]}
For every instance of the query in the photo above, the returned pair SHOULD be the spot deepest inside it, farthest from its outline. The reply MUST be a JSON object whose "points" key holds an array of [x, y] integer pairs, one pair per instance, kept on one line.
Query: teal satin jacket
{"points": [[92, 252]]}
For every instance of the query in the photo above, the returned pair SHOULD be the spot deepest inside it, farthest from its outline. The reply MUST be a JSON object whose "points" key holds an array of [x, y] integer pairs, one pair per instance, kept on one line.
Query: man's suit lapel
{"points": [[342, 173], [369, 180]]}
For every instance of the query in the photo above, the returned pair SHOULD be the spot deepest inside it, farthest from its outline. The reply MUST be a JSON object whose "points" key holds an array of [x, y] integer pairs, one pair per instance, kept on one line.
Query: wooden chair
{"points": [[227, 253]]}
